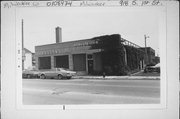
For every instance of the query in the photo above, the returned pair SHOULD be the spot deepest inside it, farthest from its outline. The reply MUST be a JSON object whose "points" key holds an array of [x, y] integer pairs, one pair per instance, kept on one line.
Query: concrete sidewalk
{"points": [[119, 77], [134, 76]]}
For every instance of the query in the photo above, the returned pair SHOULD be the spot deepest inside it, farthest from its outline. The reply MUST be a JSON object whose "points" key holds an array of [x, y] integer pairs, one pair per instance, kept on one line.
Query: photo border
{"points": [[9, 100]]}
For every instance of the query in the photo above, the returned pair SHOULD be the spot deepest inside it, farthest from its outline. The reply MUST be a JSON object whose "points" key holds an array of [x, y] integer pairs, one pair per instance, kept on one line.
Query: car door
{"points": [[47, 73], [53, 72]]}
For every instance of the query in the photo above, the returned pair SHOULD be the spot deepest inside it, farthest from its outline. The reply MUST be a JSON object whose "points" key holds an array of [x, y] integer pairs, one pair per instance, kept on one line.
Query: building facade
{"points": [[107, 54]]}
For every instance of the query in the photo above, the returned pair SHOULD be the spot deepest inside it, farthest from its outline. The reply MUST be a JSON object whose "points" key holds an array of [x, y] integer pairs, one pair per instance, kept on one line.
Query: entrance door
{"points": [[90, 66]]}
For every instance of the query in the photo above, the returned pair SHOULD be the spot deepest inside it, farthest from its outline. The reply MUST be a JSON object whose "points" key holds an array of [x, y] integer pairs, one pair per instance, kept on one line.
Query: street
{"points": [[90, 91]]}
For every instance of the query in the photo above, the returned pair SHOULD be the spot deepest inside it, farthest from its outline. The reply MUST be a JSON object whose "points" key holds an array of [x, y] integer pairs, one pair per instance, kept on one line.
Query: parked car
{"points": [[59, 73], [30, 73], [152, 68], [156, 68]]}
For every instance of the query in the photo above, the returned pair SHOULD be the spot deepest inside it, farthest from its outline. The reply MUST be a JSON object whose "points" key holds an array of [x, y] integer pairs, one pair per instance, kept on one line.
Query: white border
{"points": [[9, 88]]}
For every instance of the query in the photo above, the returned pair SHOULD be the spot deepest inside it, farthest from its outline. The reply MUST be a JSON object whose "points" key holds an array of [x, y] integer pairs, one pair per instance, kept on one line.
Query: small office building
{"points": [[110, 54], [27, 57]]}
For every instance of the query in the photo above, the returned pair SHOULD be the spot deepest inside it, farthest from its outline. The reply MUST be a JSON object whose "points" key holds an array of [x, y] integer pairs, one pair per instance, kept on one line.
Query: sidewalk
{"points": [[119, 77], [135, 76]]}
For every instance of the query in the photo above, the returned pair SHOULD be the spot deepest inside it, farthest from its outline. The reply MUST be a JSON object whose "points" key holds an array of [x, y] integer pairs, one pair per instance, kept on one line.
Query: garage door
{"points": [[62, 61], [44, 62], [79, 62]]}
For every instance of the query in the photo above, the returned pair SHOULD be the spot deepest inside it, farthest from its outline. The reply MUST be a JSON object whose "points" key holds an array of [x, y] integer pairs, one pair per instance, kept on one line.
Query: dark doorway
{"points": [[90, 66], [62, 61], [44, 62]]}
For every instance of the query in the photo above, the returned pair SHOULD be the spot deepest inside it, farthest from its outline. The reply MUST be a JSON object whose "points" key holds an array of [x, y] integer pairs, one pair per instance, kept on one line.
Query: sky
{"points": [[85, 23]]}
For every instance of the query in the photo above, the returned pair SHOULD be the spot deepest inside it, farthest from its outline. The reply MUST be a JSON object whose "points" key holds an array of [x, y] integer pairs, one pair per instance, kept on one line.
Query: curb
{"points": [[119, 77]]}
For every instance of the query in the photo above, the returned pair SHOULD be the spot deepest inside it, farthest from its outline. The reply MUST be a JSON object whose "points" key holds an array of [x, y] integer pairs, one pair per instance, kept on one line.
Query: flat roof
{"points": [[66, 42]]}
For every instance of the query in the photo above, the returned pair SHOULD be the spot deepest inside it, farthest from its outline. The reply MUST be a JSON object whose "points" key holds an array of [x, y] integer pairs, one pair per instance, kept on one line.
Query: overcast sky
{"points": [[84, 23]]}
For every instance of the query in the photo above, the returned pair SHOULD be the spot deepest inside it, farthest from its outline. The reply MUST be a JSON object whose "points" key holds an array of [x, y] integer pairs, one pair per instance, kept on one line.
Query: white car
{"points": [[157, 68], [152, 68], [59, 73]]}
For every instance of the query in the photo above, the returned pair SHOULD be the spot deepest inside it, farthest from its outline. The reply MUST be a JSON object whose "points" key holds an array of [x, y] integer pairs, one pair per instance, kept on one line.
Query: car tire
{"points": [[60, 76], [42, 76], [28, 76]]}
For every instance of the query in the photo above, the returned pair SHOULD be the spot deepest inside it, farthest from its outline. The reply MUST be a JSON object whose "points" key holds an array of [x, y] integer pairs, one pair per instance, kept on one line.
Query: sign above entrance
{"points": [[86, 43]]}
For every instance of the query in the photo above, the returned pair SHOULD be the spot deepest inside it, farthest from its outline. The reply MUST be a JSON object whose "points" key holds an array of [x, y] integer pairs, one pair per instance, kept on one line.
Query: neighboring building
{"points": [[107, 53], [33, 60], [156, 59], [150, 55], [27, 58]]}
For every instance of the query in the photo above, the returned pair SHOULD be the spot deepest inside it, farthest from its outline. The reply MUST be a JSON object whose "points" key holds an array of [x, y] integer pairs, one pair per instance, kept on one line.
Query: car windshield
{"points": [[63, 69], [157, 65]]}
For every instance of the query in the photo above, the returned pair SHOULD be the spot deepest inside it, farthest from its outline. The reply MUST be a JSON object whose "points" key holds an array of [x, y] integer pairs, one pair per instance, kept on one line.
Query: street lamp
{"points": [[146, 56], [23, 52]]}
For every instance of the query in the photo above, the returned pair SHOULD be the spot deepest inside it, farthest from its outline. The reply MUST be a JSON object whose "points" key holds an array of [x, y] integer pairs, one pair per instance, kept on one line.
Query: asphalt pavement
{"points": [[91, 91]]}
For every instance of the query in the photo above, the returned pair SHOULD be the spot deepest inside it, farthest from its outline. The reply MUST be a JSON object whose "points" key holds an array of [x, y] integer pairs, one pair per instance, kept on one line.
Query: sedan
{"points": [[156, 68], [152, 68], [59, 73], [30, 73]]}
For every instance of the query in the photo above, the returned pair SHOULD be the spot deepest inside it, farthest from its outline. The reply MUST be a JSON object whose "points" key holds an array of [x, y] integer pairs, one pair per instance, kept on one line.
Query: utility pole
{"points": [[23, 53], [146, 56]]}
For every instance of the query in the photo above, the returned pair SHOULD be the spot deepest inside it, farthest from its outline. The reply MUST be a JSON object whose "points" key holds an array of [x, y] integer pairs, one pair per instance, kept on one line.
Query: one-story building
{"points": [[109, 53]]}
